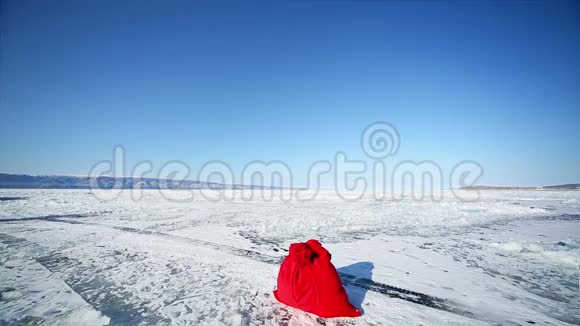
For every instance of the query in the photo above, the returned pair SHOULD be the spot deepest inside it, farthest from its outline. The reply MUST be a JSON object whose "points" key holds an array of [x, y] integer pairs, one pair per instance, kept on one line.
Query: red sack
{"points": [[308, 281]]}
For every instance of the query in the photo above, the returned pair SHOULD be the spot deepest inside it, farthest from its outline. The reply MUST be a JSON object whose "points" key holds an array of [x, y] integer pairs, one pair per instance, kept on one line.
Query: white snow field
{"points": [[68, 257]]}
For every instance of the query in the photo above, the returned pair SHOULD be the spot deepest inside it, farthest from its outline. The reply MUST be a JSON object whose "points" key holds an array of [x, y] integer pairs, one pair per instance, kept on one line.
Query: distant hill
{"points": [[23, 181], [571, 186]]}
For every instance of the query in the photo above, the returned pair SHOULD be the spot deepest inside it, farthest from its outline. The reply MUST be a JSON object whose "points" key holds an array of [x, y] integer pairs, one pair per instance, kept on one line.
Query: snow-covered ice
{"points": [[68, 257]]}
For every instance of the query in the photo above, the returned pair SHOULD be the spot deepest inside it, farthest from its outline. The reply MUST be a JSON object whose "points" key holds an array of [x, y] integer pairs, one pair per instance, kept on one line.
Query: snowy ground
{"points": [[67, 257]]}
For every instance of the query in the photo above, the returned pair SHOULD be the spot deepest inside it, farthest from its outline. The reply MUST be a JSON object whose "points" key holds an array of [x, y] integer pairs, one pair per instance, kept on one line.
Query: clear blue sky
{"points": [[493, 82]]}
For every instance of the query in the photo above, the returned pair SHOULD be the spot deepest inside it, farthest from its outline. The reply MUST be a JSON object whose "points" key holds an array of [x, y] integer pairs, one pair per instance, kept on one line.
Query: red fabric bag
{"points": [[308, 281]]}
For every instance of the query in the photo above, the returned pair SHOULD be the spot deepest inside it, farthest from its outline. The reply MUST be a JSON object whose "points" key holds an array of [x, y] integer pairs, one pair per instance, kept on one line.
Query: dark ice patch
{"points": [[50, 217], [12, 198]]}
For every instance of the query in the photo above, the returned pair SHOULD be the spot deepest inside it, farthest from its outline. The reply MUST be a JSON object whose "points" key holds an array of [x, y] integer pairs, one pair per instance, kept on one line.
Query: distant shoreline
{"points": [[24, 181], [573, 186]]}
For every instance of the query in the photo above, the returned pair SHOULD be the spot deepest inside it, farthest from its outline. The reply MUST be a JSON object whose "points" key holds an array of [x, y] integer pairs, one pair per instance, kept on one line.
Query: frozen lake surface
{"points": [[68, 257]]}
